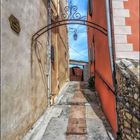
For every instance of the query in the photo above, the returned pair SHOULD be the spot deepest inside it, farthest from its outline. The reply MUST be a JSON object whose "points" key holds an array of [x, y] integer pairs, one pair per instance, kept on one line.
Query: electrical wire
{"points": [[81, 30], [77, 31], [78, 52]]}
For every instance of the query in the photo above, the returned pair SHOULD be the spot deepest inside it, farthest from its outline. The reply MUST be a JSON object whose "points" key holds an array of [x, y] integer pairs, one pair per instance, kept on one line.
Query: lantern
{"points": [[75, 35]]}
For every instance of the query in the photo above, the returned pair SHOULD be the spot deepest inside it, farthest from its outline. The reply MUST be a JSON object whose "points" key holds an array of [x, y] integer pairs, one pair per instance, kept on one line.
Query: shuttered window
{"points": [[52, 54]]}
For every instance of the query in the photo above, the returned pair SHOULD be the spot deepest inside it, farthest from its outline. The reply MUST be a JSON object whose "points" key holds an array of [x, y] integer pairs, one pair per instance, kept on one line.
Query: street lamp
{"points": [[75, 35], [74, 31]]}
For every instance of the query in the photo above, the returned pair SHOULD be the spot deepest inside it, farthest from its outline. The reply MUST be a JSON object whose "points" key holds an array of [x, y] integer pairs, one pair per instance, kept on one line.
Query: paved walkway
{"points": [[73, 117]]}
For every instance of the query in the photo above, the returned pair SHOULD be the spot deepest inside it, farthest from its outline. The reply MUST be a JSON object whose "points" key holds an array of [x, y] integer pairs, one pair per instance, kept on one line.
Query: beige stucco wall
{"points": [[63, 58], [23, 96], [24, 66]]}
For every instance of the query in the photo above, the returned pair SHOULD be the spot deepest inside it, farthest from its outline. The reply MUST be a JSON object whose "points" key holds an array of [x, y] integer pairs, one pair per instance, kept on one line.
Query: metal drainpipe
{"points": [[49, 54], [111, 52], [109, 33], [111, 49]]}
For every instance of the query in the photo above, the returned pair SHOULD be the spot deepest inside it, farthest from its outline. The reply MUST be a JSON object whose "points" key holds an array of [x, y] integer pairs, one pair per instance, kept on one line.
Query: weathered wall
{"points": [[128, 99], [63, 50], [60, 43], [23, 97], [54, 65], [60, 72], [63, 67]]}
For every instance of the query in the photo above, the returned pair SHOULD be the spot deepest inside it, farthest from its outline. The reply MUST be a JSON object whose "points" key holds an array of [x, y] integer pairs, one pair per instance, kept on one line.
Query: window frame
{"points": [[90, 7], [52, 55]]}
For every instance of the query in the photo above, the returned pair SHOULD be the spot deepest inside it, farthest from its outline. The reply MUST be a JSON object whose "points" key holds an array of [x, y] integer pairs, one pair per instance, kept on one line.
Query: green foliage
{"points": [[91, 82]]}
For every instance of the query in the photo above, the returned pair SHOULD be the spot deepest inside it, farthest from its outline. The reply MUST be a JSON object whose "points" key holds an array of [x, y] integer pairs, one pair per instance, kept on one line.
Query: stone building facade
{"points": [[24, 88], [128, 103]]}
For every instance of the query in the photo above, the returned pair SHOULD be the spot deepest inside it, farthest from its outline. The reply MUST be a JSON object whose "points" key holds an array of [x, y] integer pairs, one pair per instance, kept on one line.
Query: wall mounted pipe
{"points": [[49, 54], [109, 32], [110, 44]]}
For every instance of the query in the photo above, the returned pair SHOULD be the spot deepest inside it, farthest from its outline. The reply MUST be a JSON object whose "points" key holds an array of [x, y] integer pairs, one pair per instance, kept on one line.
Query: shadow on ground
{"points": [[93, 99]]}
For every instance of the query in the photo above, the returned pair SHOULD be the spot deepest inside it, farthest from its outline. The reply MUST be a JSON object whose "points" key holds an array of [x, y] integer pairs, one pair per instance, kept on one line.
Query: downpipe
{"points": [[49, 54], [109, 33]]}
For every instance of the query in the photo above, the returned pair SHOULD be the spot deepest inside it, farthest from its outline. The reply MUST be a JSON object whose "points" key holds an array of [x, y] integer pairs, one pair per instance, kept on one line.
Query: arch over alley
{"points": [[104, 82], [35, 69]]}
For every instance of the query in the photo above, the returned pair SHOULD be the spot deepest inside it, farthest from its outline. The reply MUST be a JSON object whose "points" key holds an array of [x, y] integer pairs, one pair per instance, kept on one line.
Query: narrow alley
{"points": [[70, 70], [75, 116]]}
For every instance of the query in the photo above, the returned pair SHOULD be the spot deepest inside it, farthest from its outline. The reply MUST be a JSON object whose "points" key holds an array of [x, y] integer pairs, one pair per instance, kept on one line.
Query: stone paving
{"points": [[72, 118]]}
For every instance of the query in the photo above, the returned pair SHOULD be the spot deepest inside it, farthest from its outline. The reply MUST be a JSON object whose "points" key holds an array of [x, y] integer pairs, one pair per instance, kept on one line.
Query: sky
{"points": [[78, 48]]}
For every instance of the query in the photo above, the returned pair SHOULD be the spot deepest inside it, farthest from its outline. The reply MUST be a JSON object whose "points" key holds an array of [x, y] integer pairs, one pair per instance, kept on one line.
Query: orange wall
{"points": [[108, 102], [102, 63], [133, 21]]}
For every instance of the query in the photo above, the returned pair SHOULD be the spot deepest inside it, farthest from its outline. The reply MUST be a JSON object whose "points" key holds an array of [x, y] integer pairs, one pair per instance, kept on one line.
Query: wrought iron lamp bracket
{"points": [[71, 12]]}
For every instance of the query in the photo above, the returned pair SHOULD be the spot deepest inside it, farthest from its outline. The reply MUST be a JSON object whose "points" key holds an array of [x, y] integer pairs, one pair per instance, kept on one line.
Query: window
{"points": [[52, 54], [90, 7]]}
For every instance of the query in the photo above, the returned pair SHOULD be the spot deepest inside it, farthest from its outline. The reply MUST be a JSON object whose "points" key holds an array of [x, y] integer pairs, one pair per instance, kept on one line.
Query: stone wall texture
{"points": [[128, 103]]}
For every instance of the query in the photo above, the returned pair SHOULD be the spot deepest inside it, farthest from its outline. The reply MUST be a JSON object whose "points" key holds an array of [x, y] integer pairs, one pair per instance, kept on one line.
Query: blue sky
{"points": [[78, 48]]}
